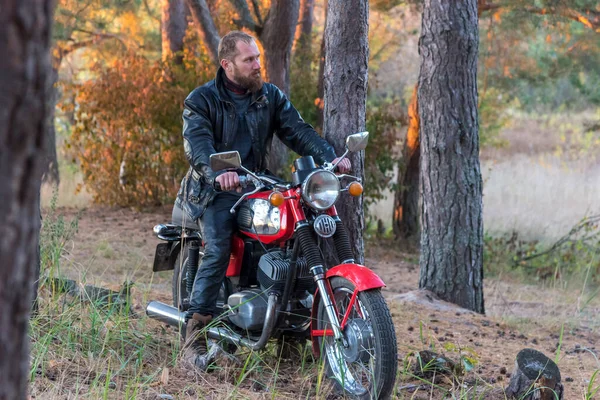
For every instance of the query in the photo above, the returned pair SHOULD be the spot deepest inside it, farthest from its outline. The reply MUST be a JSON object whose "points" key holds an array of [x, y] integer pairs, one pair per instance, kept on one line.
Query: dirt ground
{"points": [[115, 245]]}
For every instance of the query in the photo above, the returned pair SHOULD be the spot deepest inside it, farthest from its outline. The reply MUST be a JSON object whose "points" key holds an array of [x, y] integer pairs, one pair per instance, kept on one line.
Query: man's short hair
{"points": [[228, 43]]}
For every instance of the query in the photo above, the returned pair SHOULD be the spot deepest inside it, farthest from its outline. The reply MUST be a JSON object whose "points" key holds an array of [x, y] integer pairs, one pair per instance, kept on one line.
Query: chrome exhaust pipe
{"points": [[165, 313], [220, 333]]}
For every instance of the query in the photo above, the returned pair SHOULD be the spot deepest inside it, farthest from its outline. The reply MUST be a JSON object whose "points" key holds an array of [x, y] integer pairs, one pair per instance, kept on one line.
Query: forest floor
{"points": [[112, 246]]}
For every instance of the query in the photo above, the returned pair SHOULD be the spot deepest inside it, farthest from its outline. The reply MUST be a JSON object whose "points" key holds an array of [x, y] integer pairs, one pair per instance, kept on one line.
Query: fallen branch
{"points": [[93, 294]]}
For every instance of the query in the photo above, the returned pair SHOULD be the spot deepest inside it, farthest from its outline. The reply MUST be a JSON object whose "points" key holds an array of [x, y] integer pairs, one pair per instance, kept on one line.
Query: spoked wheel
{"points": [[364, 367]]}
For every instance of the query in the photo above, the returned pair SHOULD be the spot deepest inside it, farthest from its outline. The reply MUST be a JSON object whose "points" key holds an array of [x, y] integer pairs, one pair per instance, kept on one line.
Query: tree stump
{"points": [[535, 377]]}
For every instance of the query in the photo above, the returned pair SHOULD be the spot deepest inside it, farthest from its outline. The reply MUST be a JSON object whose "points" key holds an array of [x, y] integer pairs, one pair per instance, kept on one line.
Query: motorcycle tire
{"points": [[367, 367]]}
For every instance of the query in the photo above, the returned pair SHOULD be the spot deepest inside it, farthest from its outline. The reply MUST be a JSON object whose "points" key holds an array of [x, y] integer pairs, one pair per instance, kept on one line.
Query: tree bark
{"points": [[451, 213], [406, 198], [345, 81], [277, 37], [206, 26], [25, 86], [173, 29]]}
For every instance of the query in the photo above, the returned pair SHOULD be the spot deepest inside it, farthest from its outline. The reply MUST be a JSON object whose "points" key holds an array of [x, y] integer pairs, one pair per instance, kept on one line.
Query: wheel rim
{"points": [[353, 367]]}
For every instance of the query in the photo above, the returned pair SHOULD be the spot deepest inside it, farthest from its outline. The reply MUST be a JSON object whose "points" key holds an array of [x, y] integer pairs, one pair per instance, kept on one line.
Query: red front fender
{"points": [[362, 277]]}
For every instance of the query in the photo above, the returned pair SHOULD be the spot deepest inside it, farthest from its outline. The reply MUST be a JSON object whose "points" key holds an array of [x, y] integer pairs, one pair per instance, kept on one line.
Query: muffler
{"points": [[165, 313]]}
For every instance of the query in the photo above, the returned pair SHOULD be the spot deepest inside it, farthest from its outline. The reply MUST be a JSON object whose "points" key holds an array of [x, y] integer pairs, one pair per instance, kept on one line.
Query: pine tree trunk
{"points": [[451, 215], [406, 198], [173, 29], [25, 88], [345, 81], [277, 38]]}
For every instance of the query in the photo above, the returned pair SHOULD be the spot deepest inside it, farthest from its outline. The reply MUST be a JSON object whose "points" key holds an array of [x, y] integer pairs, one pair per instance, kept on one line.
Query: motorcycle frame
{"points": [[292, 216]]}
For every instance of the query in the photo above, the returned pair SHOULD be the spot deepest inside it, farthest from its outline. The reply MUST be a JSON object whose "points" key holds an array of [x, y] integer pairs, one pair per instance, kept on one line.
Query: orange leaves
{"points": [[129, 119], [585, 21]]}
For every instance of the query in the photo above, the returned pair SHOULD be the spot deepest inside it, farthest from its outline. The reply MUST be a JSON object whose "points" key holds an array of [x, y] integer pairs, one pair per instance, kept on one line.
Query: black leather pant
{"points": [[217, 225]]}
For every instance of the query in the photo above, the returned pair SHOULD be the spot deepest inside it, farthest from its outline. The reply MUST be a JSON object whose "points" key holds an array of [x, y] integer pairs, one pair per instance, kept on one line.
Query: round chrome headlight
{"points": [[321, 189]]}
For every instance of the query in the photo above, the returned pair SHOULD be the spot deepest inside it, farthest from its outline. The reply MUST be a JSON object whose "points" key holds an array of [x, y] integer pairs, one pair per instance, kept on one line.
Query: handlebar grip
{"points": [[243, 183]]}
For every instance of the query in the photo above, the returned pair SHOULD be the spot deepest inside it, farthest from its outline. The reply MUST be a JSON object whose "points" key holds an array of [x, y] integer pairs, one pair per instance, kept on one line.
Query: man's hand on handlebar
{"points": [[344, 166], [228, 181]]}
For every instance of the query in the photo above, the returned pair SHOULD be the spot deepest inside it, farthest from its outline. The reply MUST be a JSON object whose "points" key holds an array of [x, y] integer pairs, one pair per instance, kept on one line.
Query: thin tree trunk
{"points": [[206, 27], [277, 38], [51, 174], [173, 29], [345, 80], [451, 216], [303, 47], [406, 198], [25, 88]]}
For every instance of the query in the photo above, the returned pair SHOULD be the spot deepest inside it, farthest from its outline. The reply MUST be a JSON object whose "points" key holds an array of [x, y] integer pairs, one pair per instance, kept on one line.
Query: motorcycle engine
{"points": [[273, 269]]}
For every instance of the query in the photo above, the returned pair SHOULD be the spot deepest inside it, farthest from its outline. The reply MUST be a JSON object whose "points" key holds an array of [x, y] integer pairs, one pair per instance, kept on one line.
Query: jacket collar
{"points": [[224, 95]]}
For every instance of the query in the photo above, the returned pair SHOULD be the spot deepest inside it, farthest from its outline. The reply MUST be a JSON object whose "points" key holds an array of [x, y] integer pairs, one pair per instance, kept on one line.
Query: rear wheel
{"points": [[366, 367]]}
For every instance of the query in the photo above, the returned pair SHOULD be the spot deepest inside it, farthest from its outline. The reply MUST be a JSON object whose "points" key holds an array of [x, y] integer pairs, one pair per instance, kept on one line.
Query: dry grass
{"points": [[545, 180], [67, 194], [540, 198], [541, 183]]}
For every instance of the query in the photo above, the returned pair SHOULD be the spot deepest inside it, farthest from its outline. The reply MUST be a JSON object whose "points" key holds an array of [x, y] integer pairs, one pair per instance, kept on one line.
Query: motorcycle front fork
{"points": [[328, 302]]}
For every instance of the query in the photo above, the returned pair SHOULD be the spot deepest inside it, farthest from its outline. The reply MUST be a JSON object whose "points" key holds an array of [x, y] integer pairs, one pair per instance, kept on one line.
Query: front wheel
{"points": [[365, 367]]}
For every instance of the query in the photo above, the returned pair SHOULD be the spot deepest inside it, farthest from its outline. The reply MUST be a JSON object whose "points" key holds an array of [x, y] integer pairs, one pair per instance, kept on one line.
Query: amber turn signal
{"points": [[276, 199], [355, 189]]}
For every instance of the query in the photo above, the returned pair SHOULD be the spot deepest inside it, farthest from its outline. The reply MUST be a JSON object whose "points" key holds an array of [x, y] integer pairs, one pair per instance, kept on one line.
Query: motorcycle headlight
{"points": [[321, 189]]}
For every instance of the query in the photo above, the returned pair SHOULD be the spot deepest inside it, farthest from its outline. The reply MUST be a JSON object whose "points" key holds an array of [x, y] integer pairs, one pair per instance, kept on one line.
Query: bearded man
{"points": [[235, 111]]}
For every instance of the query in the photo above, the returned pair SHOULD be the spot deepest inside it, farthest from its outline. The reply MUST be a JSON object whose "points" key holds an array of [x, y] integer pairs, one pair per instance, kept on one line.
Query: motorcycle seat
{"points": [[180, 218]]}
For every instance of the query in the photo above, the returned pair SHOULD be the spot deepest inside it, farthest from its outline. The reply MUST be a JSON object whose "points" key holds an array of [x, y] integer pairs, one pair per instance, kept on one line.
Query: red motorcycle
{"points": [[278, 283]]}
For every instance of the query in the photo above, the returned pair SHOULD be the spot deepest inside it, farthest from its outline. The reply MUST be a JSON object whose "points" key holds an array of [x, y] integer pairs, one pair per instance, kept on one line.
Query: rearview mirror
{"points": [[225, 160], [357, 141]]}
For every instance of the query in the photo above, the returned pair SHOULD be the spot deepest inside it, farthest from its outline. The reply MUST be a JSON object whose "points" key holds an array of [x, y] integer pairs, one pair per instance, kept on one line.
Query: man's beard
{"points": [[253, 83]]}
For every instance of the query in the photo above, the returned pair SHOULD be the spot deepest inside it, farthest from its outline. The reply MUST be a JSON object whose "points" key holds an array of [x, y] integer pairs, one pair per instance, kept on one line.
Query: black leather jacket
{"points": [[210, 126]]}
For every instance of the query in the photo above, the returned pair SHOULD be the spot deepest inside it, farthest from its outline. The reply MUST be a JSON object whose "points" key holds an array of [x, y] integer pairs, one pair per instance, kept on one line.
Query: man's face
{"points": [[245, 67]]}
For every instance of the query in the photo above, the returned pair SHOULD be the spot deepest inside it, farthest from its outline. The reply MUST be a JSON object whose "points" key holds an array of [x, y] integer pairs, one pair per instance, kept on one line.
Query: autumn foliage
{"points": [[127, 135]]}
